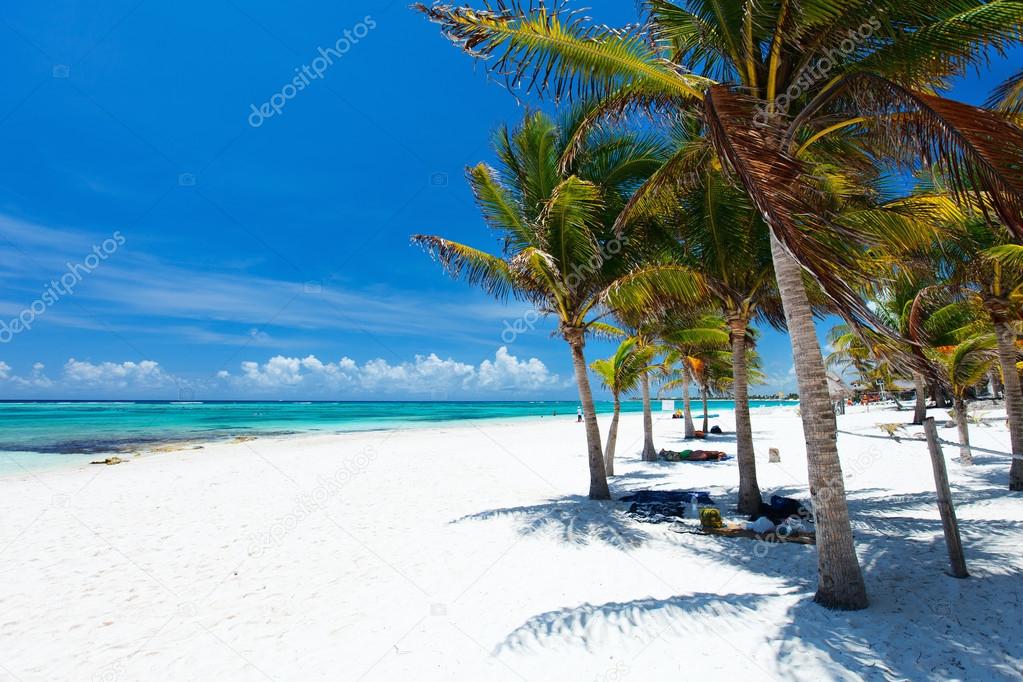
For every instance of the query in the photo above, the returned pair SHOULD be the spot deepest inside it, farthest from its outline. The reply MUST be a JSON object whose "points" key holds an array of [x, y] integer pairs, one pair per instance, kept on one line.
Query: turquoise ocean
{"points": [[46, 434]]}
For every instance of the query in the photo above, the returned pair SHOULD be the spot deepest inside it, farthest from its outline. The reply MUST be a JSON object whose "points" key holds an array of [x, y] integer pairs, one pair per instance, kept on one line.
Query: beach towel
{"points": [[668, 496], [693, 456]]}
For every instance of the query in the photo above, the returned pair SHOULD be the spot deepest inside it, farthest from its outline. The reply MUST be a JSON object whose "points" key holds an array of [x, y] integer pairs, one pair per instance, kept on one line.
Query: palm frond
{"points": [[1008, 96], [478, 268], [977, 151], [655, 288], [556, 51]]}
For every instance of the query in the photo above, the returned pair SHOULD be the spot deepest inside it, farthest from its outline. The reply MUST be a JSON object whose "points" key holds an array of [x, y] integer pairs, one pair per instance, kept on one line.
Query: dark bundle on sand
{"points": [[657, 506], [684, 496], [781, 509]]}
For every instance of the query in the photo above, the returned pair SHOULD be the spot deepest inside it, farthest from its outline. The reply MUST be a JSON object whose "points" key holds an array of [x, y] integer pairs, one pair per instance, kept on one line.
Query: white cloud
{"points": [[145, 374], [37, 379], [425, 374], [507, 372], [222, 307]]}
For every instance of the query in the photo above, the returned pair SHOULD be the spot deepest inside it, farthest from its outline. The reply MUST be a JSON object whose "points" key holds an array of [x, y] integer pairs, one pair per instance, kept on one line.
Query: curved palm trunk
{"points": [[687, 405], [1013, 398], [965, 454], [612, 439], [840, 582], [598, 477], [749, 490], [920, 411], [706, 418], [649, 451]]}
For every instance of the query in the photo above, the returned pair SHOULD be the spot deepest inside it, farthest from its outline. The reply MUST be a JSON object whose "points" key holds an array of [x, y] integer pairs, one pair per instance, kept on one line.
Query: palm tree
{"points": [[964, 365], [553, 202], [621, 373], [712, 371], [721, 235], [687, 343], [752, 73], [979, 261], [637, 328]]}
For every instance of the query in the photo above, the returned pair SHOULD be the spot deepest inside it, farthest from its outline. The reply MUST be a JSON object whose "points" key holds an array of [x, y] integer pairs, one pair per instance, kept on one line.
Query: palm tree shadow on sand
{"points": [[575, 519], [919, 621]]}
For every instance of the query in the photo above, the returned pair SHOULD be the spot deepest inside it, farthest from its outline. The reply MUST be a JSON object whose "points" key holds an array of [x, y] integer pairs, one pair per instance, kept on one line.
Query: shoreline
{"points": [[150, 445]]}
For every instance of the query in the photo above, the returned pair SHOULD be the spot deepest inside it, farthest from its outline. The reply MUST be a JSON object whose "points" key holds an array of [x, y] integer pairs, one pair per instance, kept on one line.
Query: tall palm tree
{"points": [[553, 202], [621, 374], [721, 235], [753, 72]]}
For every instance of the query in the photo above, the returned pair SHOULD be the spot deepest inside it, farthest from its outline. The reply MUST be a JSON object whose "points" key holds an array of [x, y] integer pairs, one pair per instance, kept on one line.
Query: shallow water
{"points": [[40, 434]]}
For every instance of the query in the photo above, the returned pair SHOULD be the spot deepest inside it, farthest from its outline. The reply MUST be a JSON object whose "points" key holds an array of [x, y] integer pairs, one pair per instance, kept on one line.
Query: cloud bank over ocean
{"points": [[423, 377]]}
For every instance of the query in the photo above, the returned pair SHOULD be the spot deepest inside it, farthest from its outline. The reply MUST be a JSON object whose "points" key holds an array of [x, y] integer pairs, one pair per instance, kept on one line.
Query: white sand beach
{"points": [[472, 552]]}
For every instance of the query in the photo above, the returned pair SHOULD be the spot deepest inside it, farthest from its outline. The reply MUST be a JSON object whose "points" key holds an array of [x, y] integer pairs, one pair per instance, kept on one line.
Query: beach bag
{"points": [[711, 518], [784, 507]]}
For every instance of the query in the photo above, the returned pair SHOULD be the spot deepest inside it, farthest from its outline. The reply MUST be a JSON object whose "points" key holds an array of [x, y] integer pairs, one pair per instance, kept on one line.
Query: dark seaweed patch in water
{"points": [[129, 443]]}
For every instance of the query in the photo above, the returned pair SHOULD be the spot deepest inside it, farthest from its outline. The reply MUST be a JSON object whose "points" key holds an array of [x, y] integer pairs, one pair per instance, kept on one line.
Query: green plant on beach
{"points": [[754, 74], [621, 374], [553, 202]]}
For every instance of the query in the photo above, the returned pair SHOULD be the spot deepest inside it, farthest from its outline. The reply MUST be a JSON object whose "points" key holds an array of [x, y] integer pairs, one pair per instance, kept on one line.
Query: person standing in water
{"points": [[579, 414]]}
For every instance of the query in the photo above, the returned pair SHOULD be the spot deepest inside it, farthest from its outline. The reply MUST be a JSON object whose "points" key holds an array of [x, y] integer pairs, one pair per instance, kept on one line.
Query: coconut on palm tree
{"points": [[553, 202]]}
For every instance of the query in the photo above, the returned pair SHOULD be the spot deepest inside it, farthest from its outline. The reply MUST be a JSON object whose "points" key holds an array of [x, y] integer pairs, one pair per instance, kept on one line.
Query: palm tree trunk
{"points": [[920, 411], [840, 582], [749, 491], [612, 439], [649, 451], [1013, 398], [706, 417], [995, 388], [687, 405], [965, 454], [598, 477]]}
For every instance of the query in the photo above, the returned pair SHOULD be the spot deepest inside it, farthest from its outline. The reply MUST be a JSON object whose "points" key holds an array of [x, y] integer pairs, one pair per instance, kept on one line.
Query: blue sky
{"points": [[214, 259]]}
